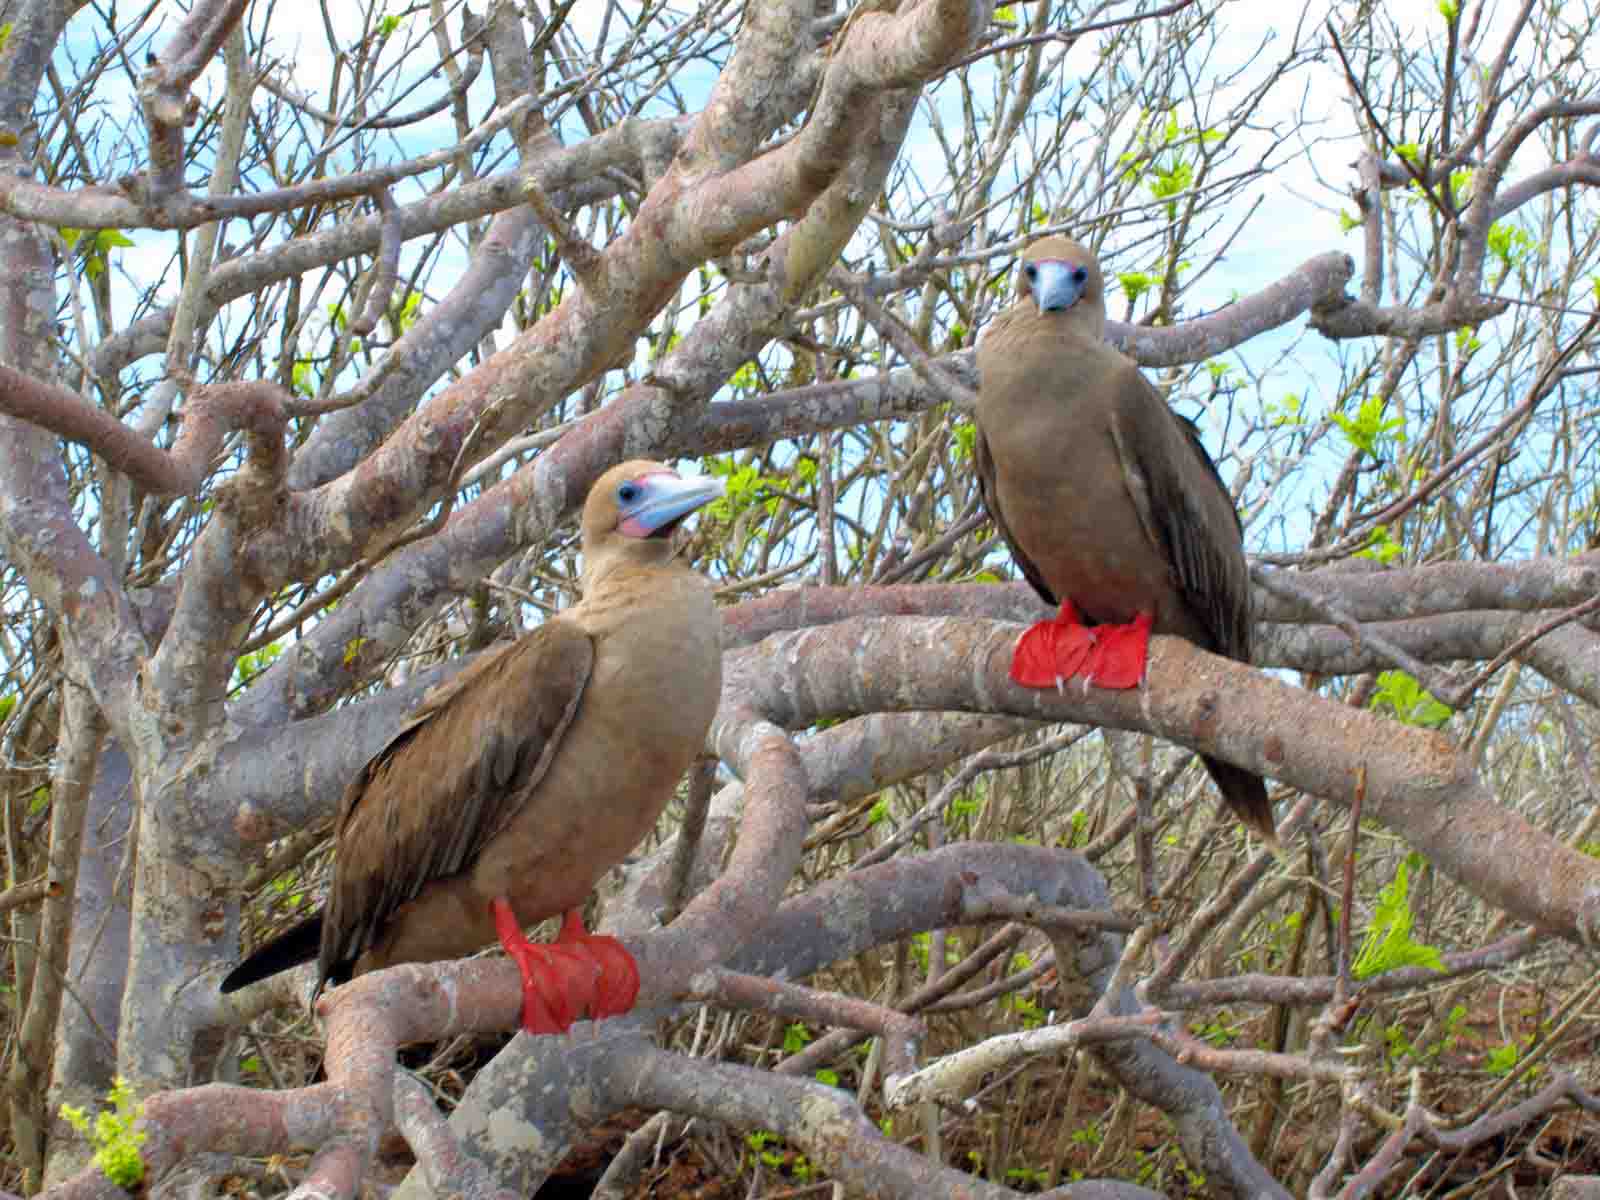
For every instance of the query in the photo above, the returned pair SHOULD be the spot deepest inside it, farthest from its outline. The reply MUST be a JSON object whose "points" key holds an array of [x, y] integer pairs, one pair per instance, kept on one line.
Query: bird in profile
{"points": [[1106, 497], [516, 784]]}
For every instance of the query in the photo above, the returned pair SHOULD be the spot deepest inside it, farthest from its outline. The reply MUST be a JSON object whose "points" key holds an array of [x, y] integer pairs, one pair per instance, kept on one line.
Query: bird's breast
{"points": [[1065, 500], [642, 721]]}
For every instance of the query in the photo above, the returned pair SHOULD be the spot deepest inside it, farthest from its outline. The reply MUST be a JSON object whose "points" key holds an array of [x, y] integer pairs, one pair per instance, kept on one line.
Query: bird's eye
{"points": [[628, 493], [1079, 274], [1031, 271]]}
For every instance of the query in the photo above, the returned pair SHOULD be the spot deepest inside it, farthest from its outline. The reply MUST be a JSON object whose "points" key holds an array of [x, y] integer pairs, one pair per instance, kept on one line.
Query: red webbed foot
{"points": [[1051, 652], [1108, 656], [1120, 654], [616, 979], [577, 973]]}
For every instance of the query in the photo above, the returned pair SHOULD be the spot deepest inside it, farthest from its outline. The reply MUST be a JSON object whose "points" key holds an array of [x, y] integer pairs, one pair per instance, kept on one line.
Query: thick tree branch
{"points": [[833, 921], [147, 206], [212, 414], [572, 175], [1446, 612], [41, 536], [1418, 784]]}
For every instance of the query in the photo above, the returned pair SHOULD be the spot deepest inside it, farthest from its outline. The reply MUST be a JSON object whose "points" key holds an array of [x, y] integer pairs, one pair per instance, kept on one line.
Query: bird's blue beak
{"points": [[652, 505], [1057, 284]]}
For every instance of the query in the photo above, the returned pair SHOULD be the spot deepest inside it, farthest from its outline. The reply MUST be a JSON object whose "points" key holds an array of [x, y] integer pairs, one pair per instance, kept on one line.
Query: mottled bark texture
{"points": [[172, 491]]}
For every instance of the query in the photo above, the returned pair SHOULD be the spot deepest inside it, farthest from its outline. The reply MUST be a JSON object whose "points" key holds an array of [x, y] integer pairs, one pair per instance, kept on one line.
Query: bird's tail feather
{"points": [[1246, 794], [297, 944]]}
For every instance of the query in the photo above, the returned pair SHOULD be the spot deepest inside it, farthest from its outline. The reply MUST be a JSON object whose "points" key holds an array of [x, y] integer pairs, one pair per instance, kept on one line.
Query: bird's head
{"points": [[634, 507], [1063, 280]]}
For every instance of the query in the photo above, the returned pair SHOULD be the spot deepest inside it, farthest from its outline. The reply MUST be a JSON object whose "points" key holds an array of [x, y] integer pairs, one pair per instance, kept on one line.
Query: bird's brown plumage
{"points": [[1105, 496], [537, 768]]}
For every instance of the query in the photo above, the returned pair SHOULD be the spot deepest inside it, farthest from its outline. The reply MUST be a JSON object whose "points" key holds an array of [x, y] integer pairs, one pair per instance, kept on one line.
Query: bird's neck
{"points": [[1078, 321], [616, 591], [610, 569]]}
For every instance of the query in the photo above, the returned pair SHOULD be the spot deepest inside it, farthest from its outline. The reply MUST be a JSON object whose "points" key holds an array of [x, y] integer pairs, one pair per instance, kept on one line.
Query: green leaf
{"points": [[1365, 428], [1388, 944], [251, 665], [115, 1139], [1380, 546], [1175, 179], [964, 806], [966, 439], [405, 316], [1502, 1059], [1510, 244], [1286, 412], [1135, 284], [1409, 701]]}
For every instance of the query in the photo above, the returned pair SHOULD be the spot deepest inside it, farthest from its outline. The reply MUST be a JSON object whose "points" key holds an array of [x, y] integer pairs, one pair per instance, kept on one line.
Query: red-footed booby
{"points": [[1107, 499], [516, 784]]}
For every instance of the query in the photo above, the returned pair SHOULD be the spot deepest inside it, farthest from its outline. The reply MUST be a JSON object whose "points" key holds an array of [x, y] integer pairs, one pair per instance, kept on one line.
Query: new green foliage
{"points": [[1388, 944], [116, 1142]]}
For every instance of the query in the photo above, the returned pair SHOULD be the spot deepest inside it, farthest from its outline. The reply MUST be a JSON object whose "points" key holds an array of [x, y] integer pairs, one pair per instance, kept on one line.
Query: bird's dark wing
{"points": [[1188, 515], [1186, 512], [461, 766], [991, 502], [295, 945]]}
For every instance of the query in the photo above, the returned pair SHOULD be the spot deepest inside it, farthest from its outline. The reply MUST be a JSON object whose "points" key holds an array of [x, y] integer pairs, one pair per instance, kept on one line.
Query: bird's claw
{"points": [[577, 973], [1105, 656], [1121, 653]]}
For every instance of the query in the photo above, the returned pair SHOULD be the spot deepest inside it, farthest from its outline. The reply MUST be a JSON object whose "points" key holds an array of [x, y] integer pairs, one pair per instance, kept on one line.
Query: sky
{"points": [[1293, 224], [1294, 219]]}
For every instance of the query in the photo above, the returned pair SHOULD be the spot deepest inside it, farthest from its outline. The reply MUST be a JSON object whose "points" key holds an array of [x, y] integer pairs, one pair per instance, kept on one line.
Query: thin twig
{"points": [[1463, 693], [701, 778], [1341, 987], [29, 893], [1281, 583]]}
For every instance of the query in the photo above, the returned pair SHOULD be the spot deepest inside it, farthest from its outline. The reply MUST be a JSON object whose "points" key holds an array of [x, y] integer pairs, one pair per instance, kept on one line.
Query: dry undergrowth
{"points": [[1052, 1121]]}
